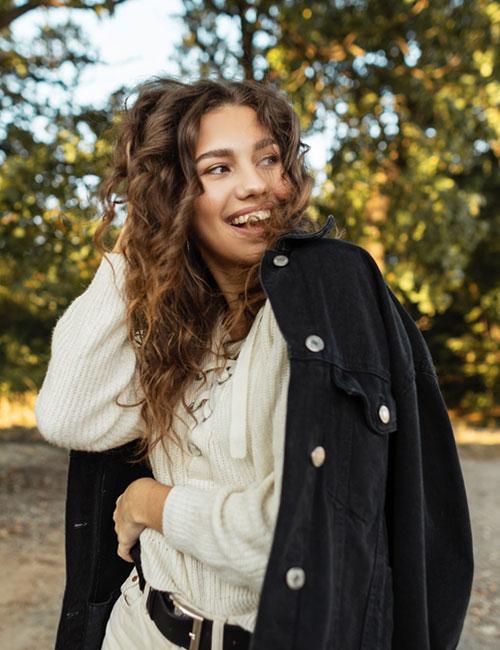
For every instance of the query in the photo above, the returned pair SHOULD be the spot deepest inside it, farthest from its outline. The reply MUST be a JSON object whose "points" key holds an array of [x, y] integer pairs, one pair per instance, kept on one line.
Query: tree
{"points": [[410, 92], [51, 155], [227, 37]]}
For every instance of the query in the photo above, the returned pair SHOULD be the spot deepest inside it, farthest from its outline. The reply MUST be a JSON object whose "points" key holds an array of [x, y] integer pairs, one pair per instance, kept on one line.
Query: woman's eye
{"points": [[209, 171], [274, 157]]}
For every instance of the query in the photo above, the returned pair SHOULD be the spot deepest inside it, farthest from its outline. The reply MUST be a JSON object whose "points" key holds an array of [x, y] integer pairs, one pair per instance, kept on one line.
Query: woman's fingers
{"points": [[126, 537], [127, 529], [123, 552]]}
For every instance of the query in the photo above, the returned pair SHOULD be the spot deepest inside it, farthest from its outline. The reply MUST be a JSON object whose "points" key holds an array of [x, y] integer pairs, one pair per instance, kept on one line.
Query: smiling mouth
{"points": [[251, 221]]}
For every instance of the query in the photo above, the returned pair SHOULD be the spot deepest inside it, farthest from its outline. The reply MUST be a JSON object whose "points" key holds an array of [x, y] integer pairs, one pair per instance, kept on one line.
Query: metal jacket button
{"points": [[295, 577], [318, 456], [384, 414], [280, 260], [314, 343]]}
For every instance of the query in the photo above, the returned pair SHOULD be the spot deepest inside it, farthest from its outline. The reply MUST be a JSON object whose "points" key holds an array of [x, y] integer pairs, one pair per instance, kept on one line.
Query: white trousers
{"points": [[129, 626]]}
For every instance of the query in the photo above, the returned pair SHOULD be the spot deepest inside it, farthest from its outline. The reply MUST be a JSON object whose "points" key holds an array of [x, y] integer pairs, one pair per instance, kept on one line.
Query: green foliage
{"points": [[412, 91], [409, 92], [51, 156]]}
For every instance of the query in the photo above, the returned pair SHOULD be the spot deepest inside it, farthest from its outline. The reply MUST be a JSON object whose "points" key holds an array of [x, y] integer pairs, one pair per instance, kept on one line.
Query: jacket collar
{"points": [[282, 244]]}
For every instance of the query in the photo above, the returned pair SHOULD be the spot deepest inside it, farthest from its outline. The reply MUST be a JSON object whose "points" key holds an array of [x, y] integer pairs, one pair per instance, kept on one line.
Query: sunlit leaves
{"points": [[411, 91], [51, 154]]}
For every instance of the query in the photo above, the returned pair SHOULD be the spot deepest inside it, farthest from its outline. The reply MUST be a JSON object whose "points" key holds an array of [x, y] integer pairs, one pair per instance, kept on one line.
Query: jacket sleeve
{"points": [[427, 511], [92, 364]]}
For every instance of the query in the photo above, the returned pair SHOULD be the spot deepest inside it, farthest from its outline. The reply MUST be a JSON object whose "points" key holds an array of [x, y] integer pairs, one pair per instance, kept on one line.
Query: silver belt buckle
{"points": [[195, 634]]}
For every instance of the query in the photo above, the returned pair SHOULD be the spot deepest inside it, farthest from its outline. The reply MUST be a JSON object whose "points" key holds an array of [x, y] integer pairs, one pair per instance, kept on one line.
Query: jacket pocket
{"points": [[374, 392], [97, 619], [387, 612], [364, 412], [378, 624]]}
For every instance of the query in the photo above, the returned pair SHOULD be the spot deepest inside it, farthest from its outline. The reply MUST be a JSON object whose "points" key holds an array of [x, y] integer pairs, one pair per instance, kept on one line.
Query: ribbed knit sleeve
{"points": [[229, 530], [92, 363]]}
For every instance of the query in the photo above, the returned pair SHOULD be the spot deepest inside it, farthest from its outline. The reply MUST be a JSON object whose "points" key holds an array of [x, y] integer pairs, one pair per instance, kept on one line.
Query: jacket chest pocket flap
{"points": [[366, 415], [376, 400]]}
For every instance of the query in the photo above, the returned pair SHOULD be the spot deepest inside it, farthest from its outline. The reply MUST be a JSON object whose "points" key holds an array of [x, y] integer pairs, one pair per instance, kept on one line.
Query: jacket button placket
{"points": [[384, 414], [280, 260], [295, 577], [314, 343], [318, 455]]}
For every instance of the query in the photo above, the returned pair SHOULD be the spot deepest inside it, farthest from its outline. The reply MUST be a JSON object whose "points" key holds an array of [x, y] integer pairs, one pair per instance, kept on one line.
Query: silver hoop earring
{"points": [[188, 246]]}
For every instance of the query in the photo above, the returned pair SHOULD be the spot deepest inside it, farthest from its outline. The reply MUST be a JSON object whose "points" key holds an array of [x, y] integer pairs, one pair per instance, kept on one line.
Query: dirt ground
{"points": [[32, 491]]}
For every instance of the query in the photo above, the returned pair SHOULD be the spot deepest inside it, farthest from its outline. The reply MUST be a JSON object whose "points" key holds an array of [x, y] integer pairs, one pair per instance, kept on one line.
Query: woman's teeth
{"points": [[259, 215]]}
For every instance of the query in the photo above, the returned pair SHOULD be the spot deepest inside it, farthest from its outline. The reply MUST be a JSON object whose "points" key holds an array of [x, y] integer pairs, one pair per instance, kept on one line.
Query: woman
{"points": [[176, 341]]}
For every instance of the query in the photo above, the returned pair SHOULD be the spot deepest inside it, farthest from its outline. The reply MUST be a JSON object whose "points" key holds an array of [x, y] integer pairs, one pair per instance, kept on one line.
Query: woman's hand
{"points": [[139, 507], [126, 528]]}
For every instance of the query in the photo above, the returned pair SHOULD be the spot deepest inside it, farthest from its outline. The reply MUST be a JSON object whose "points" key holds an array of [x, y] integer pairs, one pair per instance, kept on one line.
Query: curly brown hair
{"points": [[173, 300]]}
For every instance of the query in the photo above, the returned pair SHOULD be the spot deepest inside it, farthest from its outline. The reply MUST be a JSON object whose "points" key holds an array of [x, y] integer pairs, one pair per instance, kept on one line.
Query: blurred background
{"points": [[399, 102]]}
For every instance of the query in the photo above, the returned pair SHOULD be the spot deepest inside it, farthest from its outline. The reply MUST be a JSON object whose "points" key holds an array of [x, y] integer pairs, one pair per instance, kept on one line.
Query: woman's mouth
{"points": [[250, 223]]}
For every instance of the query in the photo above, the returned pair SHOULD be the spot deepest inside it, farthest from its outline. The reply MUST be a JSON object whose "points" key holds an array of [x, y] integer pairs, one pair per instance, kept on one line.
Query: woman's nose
{"points": [[251, 181]]}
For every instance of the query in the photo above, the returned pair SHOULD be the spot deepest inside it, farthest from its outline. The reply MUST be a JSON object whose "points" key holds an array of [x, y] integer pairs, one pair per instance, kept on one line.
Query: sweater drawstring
{"points": [[239, 391]]}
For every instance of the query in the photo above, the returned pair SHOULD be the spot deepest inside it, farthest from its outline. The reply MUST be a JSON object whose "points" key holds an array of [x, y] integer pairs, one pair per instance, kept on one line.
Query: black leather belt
{"points": [[186, 629]]}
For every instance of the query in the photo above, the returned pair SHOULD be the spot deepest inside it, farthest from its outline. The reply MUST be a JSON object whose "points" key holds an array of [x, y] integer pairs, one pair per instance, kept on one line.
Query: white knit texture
{"points": [[92, 363], [219, 518]]}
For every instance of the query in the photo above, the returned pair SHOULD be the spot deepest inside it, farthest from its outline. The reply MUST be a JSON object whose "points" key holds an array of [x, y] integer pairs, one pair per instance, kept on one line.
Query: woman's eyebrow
{"points": [[217, 153]]}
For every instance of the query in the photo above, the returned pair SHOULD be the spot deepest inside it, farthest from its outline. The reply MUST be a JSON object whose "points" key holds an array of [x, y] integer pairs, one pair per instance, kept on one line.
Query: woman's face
{"points": [[239, 165]]}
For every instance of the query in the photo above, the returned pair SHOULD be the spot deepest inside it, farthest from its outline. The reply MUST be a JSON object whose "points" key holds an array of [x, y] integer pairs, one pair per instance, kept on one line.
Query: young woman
{"points": [[176, 342]]}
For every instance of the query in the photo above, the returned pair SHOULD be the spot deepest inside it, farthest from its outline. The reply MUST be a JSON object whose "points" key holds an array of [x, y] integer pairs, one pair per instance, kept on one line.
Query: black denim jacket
{"points": [[372, 547]]}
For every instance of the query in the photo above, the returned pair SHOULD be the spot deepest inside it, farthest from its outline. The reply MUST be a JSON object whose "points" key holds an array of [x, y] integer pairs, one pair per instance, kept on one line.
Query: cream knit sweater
{"points": [[219, 518]]}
